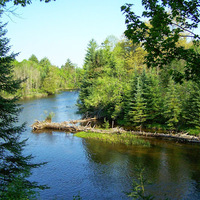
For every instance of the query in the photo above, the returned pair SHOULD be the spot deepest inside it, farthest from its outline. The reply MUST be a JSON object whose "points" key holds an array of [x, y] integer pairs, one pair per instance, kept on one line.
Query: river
{"points": [[99, 171]]}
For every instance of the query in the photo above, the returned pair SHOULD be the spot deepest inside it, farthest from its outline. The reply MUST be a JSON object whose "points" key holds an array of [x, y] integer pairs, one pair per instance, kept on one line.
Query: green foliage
{"points": [[106, 124], [191, 112], [77, 197], [125, 138], [50, 83], [192, 131], [34, 59], [71, 75], [49, 116], [101, 87], [116, 86], [138, 187], [69, 66], [172, 106], [169, 21], [137, 107], [15, 168], [44, 78], [152, 92]]}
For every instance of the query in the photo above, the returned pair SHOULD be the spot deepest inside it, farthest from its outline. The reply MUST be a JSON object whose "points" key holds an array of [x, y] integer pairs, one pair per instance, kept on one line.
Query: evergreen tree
{"points": [[34, 59], [14, 167], [88, 78], [152, 96], [172, 106], [129, 96], [90, 58], [191, 112], [137, 111]]}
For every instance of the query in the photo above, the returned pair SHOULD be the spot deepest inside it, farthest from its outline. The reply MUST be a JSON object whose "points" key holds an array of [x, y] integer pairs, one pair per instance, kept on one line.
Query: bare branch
{"points": [[9, 12]]}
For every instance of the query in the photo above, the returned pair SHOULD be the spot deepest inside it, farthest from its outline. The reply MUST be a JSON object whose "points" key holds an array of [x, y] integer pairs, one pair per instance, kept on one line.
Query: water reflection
{"points": [[166, 163]]}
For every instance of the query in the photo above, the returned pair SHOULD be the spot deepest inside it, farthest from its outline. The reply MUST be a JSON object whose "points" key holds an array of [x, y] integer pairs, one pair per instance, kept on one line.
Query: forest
{"points": [[41, 78], [117, 86]]}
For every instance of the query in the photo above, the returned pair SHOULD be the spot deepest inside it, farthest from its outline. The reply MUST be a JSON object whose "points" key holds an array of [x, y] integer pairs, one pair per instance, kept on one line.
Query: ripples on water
{"points": [[103, 171]]}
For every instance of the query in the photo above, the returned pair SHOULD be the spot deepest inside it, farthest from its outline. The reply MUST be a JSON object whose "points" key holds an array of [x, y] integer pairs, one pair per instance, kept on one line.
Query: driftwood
{"points": [[52, 125], [65, 126], [82, 120], [181, 137]]}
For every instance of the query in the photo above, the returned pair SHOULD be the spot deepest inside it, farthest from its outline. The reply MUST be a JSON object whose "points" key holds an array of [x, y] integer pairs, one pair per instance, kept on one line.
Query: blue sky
{"points": [[62, 29]]}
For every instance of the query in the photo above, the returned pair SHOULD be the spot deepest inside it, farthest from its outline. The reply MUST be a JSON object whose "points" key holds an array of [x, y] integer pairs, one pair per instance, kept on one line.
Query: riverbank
{"points": [[70, 126], [41, 95], [37, 94], [34, 95]]}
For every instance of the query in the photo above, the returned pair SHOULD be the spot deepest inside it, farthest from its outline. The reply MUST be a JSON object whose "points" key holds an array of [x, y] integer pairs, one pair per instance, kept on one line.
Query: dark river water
{"points": [[96, 170]]}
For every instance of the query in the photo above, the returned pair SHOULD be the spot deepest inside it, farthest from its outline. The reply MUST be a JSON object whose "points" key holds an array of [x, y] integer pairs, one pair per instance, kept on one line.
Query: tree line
{"points": [[119, 87], [43, 78]]}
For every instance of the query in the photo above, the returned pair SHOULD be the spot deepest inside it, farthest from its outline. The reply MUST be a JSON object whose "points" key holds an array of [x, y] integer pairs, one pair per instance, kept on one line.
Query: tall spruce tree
{"points": [[128, 99], [152, 96], [15, 168], [138, 106], [88, 76], [172, 106], [191, 112]]}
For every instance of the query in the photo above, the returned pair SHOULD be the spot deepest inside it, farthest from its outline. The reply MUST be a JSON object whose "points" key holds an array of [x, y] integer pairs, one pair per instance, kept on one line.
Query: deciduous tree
{"points": [[169, 21]]}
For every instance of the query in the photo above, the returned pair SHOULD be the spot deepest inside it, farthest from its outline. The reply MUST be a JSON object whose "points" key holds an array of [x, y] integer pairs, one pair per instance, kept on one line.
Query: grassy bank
{"points": [[125, 138], [34, 95]]}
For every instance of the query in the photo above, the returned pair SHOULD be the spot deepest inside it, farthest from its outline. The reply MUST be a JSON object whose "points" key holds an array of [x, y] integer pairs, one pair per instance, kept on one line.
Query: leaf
{"points": [[123, 8]]}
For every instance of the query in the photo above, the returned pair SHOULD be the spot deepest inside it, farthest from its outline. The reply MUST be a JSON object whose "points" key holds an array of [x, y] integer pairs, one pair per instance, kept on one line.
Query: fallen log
{"points": [[181, 137], [64, 126], [52, 125], [71, 128], [82, 120]]}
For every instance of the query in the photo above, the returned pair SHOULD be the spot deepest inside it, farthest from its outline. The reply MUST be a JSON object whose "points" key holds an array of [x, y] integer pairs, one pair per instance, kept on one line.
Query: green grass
{"points": [[125, 138]]}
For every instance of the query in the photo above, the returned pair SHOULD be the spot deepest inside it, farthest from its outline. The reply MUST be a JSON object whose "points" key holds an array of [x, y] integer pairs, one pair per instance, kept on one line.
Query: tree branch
{"points": [[186, 30]]}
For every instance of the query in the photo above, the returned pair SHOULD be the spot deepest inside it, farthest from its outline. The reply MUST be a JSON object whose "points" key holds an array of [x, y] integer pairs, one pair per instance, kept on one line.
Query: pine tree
{"points": [[191, 111], [34, 59], [87, 80], [138, 107], [128, 98], [89, 64], [172, 106], [152, 96], [14, 167]]}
